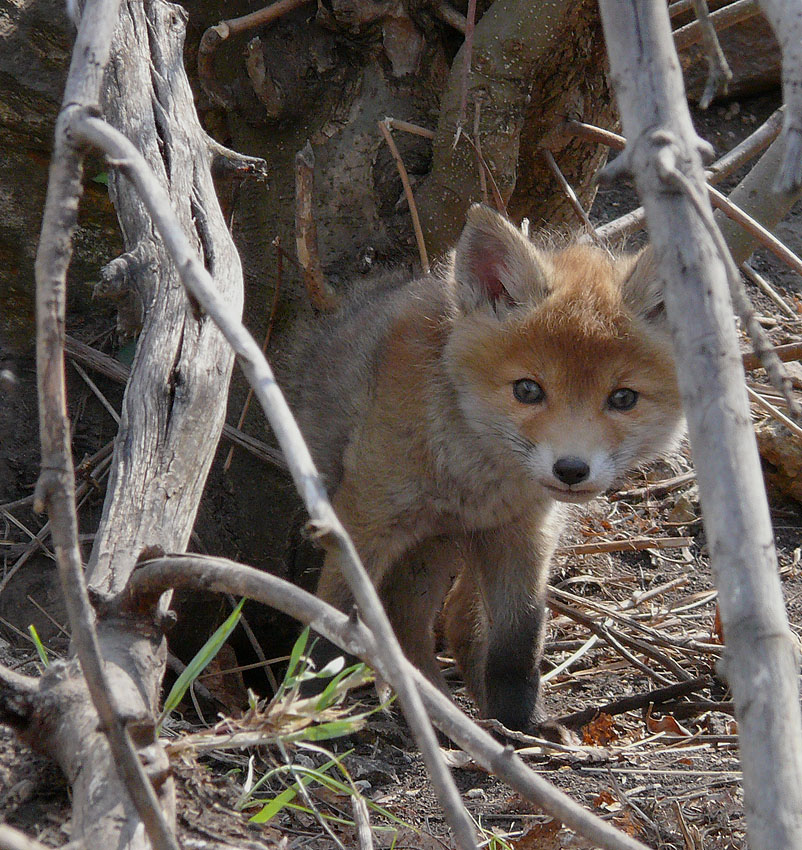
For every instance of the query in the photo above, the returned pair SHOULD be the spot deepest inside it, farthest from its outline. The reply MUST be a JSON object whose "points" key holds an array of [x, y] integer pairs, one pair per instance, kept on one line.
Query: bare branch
{"points": [[329, 529], [152, 578], [718, 74], [384, 128], [721, 19], [759, 646]]}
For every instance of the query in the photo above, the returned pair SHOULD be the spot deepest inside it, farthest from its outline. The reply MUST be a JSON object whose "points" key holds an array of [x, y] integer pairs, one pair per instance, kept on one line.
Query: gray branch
{"points": [[760, 661], [220, 575]]}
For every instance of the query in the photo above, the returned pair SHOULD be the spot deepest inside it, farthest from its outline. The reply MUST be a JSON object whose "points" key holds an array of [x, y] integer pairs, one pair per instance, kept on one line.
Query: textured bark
{"points": [[176, 396], [91, 716], [760, 661], [532, 67]]}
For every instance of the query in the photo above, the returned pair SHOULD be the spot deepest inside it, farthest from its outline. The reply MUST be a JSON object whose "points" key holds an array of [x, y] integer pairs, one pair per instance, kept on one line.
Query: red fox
{"points": [[453, 414]]}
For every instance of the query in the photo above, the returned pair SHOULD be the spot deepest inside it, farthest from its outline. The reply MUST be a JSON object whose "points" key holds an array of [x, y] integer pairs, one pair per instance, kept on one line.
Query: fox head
{"points": [[560, 359]]}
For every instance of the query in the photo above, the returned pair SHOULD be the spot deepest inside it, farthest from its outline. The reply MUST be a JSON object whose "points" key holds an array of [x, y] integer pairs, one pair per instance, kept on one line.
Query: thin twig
{"points": [[659, 488], [569, 192], [767, 289], [265, 342], [98, 395], [117, 371], [635, 544], [740, 300], [329, 530], [722, 19], [320, 294], [478, 144], [774, 412], [407, 127], [384, 127], [718, 71]]}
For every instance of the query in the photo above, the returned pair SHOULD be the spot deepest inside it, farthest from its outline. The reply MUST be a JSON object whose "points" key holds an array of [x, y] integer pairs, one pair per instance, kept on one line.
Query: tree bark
{"points": [[521, 84], [760, 660], [181, 371]]}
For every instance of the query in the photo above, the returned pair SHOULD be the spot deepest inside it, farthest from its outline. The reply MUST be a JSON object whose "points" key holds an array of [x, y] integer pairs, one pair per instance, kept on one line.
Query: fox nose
{"points": [[570, 470]]}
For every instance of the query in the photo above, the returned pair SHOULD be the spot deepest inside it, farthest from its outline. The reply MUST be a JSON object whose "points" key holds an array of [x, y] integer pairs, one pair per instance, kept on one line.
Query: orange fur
{"points": [[453, 414]]}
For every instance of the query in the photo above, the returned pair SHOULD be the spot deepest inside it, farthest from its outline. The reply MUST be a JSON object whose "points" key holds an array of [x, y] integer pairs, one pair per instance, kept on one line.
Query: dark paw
{"points": [[550, 730]]}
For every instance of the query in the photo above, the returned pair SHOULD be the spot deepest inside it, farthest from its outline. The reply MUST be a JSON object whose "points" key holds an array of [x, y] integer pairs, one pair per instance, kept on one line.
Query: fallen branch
{"points": [[637, 701], [152, 578], [634, 544]]}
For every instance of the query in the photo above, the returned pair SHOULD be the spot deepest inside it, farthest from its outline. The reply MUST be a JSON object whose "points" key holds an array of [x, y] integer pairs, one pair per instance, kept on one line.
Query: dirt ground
{"points": [[669, 776]]}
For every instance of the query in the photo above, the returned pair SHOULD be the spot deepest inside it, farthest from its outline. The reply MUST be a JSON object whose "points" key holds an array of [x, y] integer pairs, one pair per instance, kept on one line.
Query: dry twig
{"points": [[320, 294], [384, 128], [220, 575]]}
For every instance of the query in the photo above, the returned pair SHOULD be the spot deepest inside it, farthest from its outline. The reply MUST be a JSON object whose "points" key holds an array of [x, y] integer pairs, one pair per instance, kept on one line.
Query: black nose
{"points": [[570, 470]]}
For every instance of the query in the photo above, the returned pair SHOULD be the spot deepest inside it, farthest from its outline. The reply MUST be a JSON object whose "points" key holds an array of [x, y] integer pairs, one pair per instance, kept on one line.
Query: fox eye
{"points": [[622, 399], [528, 391]]}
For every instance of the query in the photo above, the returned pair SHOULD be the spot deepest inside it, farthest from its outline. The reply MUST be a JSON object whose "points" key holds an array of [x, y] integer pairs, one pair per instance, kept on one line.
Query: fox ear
{"points": [[642, 288], [494, 262]]}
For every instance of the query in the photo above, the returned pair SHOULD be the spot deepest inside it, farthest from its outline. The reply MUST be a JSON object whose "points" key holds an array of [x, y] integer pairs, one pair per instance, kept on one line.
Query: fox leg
{"points": [[495, 618], [413, 593], [377, 548]]}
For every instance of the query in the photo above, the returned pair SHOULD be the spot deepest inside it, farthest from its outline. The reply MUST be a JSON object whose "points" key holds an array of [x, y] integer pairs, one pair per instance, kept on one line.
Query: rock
{"points": [[781, 452]]}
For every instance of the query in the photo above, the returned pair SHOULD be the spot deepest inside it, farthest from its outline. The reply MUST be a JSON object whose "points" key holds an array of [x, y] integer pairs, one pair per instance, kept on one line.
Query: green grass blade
{"points": [[201, 660]]}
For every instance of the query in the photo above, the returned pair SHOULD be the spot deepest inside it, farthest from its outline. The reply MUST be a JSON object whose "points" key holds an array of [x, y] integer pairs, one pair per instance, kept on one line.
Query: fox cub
{"points": [[454, 414]]}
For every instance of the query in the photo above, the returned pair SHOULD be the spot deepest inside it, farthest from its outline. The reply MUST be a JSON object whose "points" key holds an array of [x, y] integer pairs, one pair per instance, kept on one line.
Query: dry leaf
{"points": [[666, 724], [600, 731], [542, 836]]}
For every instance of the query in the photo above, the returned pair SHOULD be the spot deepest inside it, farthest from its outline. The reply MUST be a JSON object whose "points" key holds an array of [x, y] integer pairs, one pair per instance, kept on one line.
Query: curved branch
{"points": [[152, 578], [56, 486]]}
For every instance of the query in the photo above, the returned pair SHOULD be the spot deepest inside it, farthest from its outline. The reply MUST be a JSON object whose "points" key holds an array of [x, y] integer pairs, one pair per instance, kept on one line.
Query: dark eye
{"points": [[528, 391], [623, 399]]}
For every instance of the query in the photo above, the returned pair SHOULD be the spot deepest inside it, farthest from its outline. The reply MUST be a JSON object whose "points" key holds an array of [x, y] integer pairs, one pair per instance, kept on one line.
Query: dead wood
{"points": [[123, 662], [325, 523], [663, 154], [632, 703], [154, 577]]}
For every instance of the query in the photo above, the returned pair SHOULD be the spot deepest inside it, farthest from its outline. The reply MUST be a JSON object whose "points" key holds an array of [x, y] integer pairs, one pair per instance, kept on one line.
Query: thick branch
{"points": [[760, 662], [55, 488]]}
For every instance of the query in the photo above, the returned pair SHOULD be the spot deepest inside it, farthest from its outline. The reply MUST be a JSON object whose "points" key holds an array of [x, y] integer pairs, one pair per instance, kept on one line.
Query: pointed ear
{"points": [[495, 263], [642, 288]]}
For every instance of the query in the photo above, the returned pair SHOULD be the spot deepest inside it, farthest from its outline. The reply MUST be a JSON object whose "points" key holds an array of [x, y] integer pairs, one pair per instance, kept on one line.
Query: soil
{"points": [[670, 776]]}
